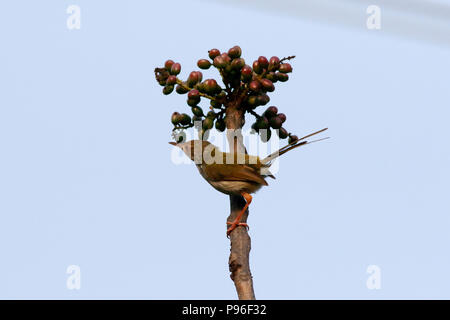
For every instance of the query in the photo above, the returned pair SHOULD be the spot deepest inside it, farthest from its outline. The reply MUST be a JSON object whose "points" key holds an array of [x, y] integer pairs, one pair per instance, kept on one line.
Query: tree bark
{"points": [[240, 241]]}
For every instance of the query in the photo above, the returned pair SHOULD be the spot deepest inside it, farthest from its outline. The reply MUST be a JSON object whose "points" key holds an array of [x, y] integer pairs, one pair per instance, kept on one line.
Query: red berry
{"points": [[213, 53], [168, 64], [285, 68], [246, 73], [274, 63], [219, 62], [226, 57], [194, 77], [171, 80], [263, 62], [267, 85], [257, 67], [210, 86], [175, 69], [203, 64], [193, 94], [254, 86], [235, 52]]}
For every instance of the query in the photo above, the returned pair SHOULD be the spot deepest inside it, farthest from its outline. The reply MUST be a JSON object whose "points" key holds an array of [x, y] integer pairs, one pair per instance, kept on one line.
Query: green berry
{"points": [[193, 102], [175, 118], [181, 90], [263, 99], [282, 77], [168, 89], [208, 123], [272, 77], [220, 125], [185, 119], [197, 111], [252, 101]]}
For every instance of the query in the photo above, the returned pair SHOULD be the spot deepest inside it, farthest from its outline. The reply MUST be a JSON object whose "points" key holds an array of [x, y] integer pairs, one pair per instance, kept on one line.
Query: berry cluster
{"points": [[245, 86]]}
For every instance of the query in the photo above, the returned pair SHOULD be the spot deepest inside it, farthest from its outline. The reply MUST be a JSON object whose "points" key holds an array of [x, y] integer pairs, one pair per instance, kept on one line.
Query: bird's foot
{"points": [[234, 225]]}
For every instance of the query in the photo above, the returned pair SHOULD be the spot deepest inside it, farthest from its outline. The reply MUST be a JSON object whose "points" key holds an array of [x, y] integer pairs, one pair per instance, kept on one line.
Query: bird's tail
{"points": [[291, 146]]}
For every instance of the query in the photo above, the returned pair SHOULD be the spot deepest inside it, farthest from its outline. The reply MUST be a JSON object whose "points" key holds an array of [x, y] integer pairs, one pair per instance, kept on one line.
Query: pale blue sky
{"points": [[86, 176]]}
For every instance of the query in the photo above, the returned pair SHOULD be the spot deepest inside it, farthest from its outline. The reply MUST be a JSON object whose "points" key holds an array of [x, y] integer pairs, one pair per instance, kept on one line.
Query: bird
{"points": [[233, 173]]}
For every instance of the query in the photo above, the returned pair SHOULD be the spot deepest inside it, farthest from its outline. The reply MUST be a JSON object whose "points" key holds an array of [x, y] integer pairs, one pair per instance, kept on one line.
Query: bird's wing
{"points": [[233, 172]]}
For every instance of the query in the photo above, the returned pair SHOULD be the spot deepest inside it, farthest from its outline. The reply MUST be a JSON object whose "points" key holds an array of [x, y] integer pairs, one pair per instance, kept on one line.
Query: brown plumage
{"points": [[236, 174]]}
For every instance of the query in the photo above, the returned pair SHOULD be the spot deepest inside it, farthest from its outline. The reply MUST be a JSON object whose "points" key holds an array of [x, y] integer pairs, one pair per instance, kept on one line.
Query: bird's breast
{"points": [[231, 187]]}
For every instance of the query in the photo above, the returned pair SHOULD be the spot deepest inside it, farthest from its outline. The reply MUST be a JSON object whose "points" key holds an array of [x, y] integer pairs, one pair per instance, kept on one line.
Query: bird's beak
{"points": [[173, 143]]}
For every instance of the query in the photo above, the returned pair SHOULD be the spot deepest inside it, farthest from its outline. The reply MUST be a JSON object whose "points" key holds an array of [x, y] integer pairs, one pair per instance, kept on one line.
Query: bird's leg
{"points": [[237, 222]]}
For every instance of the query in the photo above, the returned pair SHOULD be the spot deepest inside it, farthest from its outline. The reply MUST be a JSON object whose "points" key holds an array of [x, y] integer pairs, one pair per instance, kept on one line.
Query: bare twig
{"points": [[287, 58]]}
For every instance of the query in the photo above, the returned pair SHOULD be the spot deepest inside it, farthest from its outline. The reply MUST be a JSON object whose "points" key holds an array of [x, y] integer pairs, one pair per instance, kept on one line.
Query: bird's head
{"points": [[193, 149]]}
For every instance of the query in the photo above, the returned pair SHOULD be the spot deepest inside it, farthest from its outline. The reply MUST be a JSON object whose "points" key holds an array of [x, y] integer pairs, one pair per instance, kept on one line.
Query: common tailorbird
{"points": [[232, 173]]}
